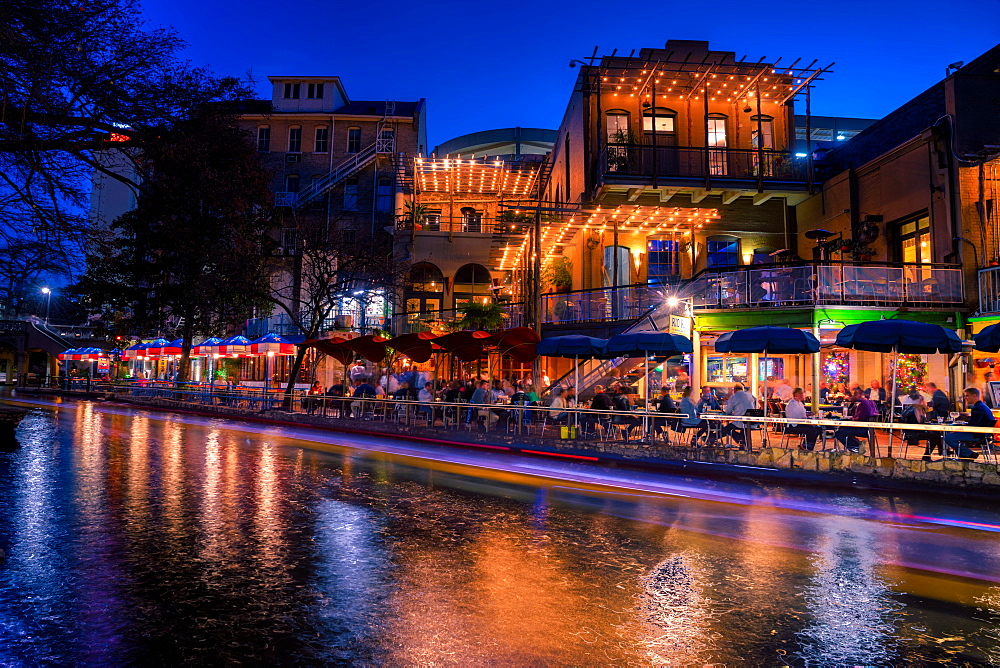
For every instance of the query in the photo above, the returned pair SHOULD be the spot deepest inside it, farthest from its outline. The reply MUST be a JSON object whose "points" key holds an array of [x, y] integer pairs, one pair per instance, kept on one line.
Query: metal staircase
{"points": [[384, 145], [595, 372], [338, 175]]}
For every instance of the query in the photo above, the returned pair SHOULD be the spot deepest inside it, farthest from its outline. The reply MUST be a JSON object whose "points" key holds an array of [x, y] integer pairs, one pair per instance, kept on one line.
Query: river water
{"points": [[136, 537]]}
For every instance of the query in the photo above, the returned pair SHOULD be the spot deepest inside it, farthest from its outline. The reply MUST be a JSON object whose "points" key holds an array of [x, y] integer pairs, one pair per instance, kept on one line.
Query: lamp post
{"points": [[48, 301]]}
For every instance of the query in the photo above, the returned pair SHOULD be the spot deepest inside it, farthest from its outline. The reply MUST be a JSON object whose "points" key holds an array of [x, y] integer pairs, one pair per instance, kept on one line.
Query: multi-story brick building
{"points": [[678, 163], [908, 209], [336, 165]]}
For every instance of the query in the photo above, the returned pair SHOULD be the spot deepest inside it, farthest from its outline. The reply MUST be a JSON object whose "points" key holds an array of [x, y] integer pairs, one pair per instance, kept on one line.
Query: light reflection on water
{"points": [[142, 539]]}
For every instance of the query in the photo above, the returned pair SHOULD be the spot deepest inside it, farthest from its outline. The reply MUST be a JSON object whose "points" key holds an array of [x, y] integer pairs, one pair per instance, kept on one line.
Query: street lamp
{"points": [[48, 301]]}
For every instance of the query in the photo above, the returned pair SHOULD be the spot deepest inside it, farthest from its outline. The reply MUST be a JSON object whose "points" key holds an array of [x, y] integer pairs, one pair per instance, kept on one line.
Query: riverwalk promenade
{"points": [[890, 458]]}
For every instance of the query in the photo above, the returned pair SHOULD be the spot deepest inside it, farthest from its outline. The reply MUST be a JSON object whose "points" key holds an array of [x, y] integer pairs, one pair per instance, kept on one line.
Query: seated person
{"points": [[691, 418], [362, 391], [863, 410], [557, 409], [980, 415], [738, 404], [622, 404], [664, 404], [796, 410], [919, 414]]}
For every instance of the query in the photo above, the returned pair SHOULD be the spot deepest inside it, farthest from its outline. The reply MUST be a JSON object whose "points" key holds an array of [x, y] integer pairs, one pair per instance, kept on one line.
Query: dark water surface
{"points": [[144, 538]]}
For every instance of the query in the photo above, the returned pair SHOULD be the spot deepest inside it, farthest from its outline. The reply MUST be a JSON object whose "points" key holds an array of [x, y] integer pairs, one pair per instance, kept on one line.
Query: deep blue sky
{"points": [[498, 64]]}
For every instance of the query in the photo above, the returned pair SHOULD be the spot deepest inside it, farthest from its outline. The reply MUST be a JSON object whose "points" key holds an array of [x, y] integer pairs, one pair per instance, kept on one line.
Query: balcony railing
{"points": [[701, 162], [989, 290], [466, 225], [764, 286]]}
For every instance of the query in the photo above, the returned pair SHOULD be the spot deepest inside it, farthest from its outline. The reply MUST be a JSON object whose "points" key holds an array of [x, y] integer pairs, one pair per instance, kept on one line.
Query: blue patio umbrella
{"points": [[907, 337], [900, 336], [988, 340], [647, 343], [572, 345], [768, 339]]}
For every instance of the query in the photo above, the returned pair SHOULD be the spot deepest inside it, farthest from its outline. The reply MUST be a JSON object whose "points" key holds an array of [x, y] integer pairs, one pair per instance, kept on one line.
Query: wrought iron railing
{"points": [[989, 290], [701, 162]]}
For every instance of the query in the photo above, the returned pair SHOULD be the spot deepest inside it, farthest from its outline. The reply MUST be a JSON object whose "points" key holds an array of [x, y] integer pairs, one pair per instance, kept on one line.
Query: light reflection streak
{"points": [[852, 607]]}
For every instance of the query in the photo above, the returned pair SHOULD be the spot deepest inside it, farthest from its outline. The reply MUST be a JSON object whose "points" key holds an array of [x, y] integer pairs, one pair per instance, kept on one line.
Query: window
{"points": [[354, 140], [383, 194], [320, 201], [618, 127], [472, 220], [289, 241], [322, 143], [766, 132], [292, 183], [664, 260], [664, 120], [567, 164], [292, 91], [717, 145], [264, 138], [294, 139], [472, 283], [425, 277], [314, 91], [723, 251], [385, 142], [915, 241], [762, 136], [351, 194]]}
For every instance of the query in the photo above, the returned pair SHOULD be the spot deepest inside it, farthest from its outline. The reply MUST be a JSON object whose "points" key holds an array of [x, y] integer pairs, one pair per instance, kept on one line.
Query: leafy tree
{"points": [[81, 83], [481, 316], [191, 257]]}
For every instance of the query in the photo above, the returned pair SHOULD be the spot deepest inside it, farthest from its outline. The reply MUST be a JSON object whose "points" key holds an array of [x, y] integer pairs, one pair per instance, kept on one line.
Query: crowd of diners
{"points": [[676, 407]]}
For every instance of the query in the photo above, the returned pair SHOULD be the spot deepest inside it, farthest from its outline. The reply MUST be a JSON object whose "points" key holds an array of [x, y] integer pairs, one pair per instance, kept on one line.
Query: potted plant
{"points": [[481, 316], [558, 273]]}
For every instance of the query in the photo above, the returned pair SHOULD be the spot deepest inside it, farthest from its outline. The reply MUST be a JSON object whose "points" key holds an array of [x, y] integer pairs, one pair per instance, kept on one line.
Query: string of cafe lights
{"points": [[474, 176], [631, 219]]}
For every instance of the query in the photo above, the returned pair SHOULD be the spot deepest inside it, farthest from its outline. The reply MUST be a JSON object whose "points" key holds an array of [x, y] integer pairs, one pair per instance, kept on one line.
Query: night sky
{"points": [[483, 65]]}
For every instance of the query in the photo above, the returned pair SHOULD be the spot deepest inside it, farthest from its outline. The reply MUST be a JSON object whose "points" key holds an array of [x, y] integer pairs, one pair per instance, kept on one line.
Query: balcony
{"points": [[465, 225], [768, 286], [700, 167], [989, 290]]}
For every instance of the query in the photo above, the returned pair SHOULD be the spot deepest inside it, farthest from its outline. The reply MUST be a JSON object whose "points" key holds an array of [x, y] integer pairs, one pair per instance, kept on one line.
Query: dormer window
{"points": [[314, 91], [292, 91]]}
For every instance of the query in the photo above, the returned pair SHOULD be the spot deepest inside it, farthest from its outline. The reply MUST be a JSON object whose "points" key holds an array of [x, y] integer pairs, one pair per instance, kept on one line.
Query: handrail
{"points": [[340, 172]]}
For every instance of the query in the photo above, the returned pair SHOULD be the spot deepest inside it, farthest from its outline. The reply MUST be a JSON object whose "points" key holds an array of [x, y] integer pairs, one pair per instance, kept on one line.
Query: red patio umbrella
{"points": [[518, 342], [418, 347], [465, 345], [333, 347]]}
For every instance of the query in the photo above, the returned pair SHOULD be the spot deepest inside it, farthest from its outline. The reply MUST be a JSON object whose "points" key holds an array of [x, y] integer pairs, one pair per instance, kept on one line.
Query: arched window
{"points": [[426, 277], [618, 126], [723, 250], [663, 117], [472, 283]]}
